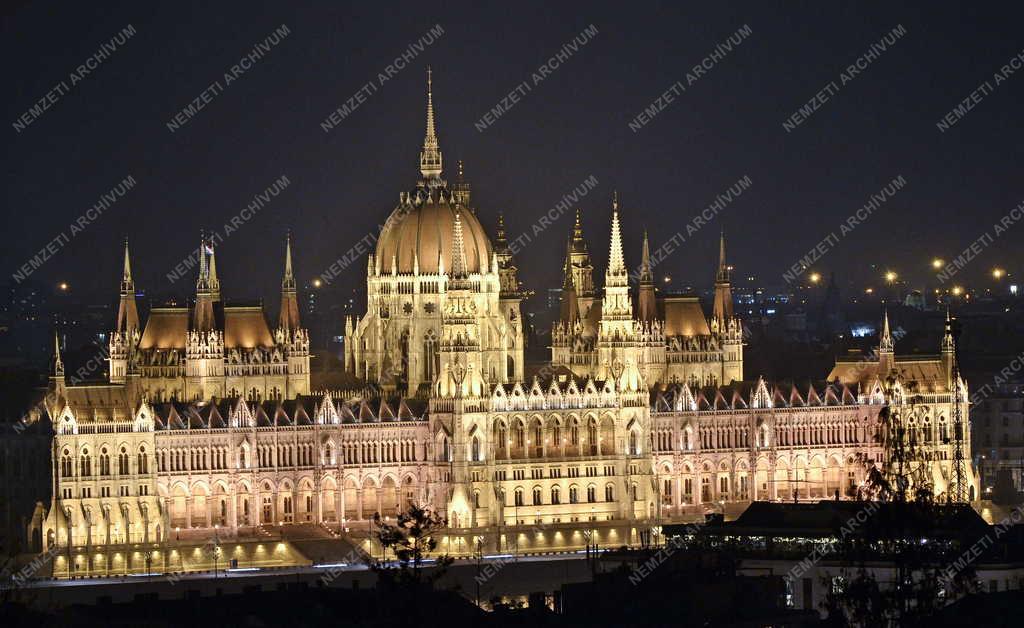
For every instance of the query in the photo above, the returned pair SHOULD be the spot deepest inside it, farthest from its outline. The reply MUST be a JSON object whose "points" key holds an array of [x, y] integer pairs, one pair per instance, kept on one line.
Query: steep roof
{"points": [[166, 328], [684, 317], [245, 327]]}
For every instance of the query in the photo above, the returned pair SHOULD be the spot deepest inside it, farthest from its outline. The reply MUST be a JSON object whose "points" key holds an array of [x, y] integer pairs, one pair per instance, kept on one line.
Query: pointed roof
{"points": [[616, 274], [214, 282], [430, 158], [646, 276], [127, 285], [58, 363], [288, 281], [885, 343], [723, 268], [127, 312]]}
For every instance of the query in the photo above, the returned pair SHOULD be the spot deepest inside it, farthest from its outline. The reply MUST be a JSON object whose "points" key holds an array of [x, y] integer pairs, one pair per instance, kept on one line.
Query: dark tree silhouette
{"points": [[411, 538]]}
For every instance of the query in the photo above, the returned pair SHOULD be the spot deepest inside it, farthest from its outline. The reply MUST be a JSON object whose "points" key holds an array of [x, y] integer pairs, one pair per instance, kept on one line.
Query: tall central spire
{"points": [[430, 158]]}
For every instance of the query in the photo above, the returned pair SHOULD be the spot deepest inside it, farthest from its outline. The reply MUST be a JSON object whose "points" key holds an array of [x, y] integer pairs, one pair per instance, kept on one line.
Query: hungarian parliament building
{"points": [[207, 419]]}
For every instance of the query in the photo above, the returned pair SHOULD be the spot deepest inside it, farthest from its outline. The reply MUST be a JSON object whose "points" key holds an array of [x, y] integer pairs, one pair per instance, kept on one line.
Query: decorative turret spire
{"points": [[616, 274], [567, 280], [289, 316], [127, 285], [58, 363], [723, 291], [570, 311], [202, 316], [203, 282], [885, 343], [646, 276], [430, 158], [948, 345], [647, 303], [214, 281], [723, 275], [288, 281], [459, 267], [577, 229], [127, 312]]}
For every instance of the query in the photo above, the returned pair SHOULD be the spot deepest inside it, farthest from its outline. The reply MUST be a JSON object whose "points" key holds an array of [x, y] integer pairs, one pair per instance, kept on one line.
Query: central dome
{"points": [[422, 226]]}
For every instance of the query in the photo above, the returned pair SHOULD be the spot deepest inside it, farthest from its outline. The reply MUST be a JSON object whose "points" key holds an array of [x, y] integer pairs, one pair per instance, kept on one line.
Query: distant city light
{"points": [[890, 276], [869, 291], [63, 286], [1013, 289], [998, 273], [317, 283], [815, 277], [957, 291], [937, 263]]}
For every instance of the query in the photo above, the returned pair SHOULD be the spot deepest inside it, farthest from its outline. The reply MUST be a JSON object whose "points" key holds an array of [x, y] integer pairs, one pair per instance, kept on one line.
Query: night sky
{"points": [[573, 125]]}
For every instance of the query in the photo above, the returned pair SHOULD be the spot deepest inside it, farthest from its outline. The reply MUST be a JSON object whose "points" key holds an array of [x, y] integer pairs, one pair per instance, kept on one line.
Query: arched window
{"points": [[431, 356], [66, 469], [634, 444], [591, 494], [537, 501], [633, 491], [122, 462], [445, 450], [574, 495], [476, 499], [556, 435], [520, 435], [574, 433], [556, 495], [592, 436], [84, 464], [104, 462], [475, 450], [609, 493], [519, 497]]}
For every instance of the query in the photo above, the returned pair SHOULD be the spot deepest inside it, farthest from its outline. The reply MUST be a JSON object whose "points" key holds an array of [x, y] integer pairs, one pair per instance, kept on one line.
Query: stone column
{"points": [[318, 498]]}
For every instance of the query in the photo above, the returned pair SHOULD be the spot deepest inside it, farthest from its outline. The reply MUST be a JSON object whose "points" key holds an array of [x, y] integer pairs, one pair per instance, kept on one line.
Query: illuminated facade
{"points": [[208, 419]]}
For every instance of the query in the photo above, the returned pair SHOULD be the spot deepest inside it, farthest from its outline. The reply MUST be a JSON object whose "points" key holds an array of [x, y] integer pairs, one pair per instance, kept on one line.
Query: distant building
{"points": [[997, 430]]}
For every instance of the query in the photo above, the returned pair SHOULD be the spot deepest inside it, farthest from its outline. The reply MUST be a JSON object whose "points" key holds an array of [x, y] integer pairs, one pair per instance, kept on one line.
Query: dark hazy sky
{"points": [[573, 125]]}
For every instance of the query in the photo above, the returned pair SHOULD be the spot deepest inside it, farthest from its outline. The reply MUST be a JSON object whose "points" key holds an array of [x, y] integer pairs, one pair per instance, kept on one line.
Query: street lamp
{"points": [[891, 276], [815, 277], [998, 273], [937, 263]]}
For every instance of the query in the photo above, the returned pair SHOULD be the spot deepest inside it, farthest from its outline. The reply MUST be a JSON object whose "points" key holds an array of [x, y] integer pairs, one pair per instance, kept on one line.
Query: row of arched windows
{"points": [[85, 464], [555, 495]]}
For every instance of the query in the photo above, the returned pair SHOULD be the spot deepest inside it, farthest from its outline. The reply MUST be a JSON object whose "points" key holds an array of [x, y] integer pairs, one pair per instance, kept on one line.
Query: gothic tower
{"points": [[648, 308]]}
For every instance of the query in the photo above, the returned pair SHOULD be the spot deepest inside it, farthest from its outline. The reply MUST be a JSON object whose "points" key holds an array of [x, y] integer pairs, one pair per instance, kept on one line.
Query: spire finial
{"points": [[288, 281], [723, 267], [885, 343], [58, 363], [646, 277], [127, 285], [616, 275], [430, 158], [615, 200]]}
